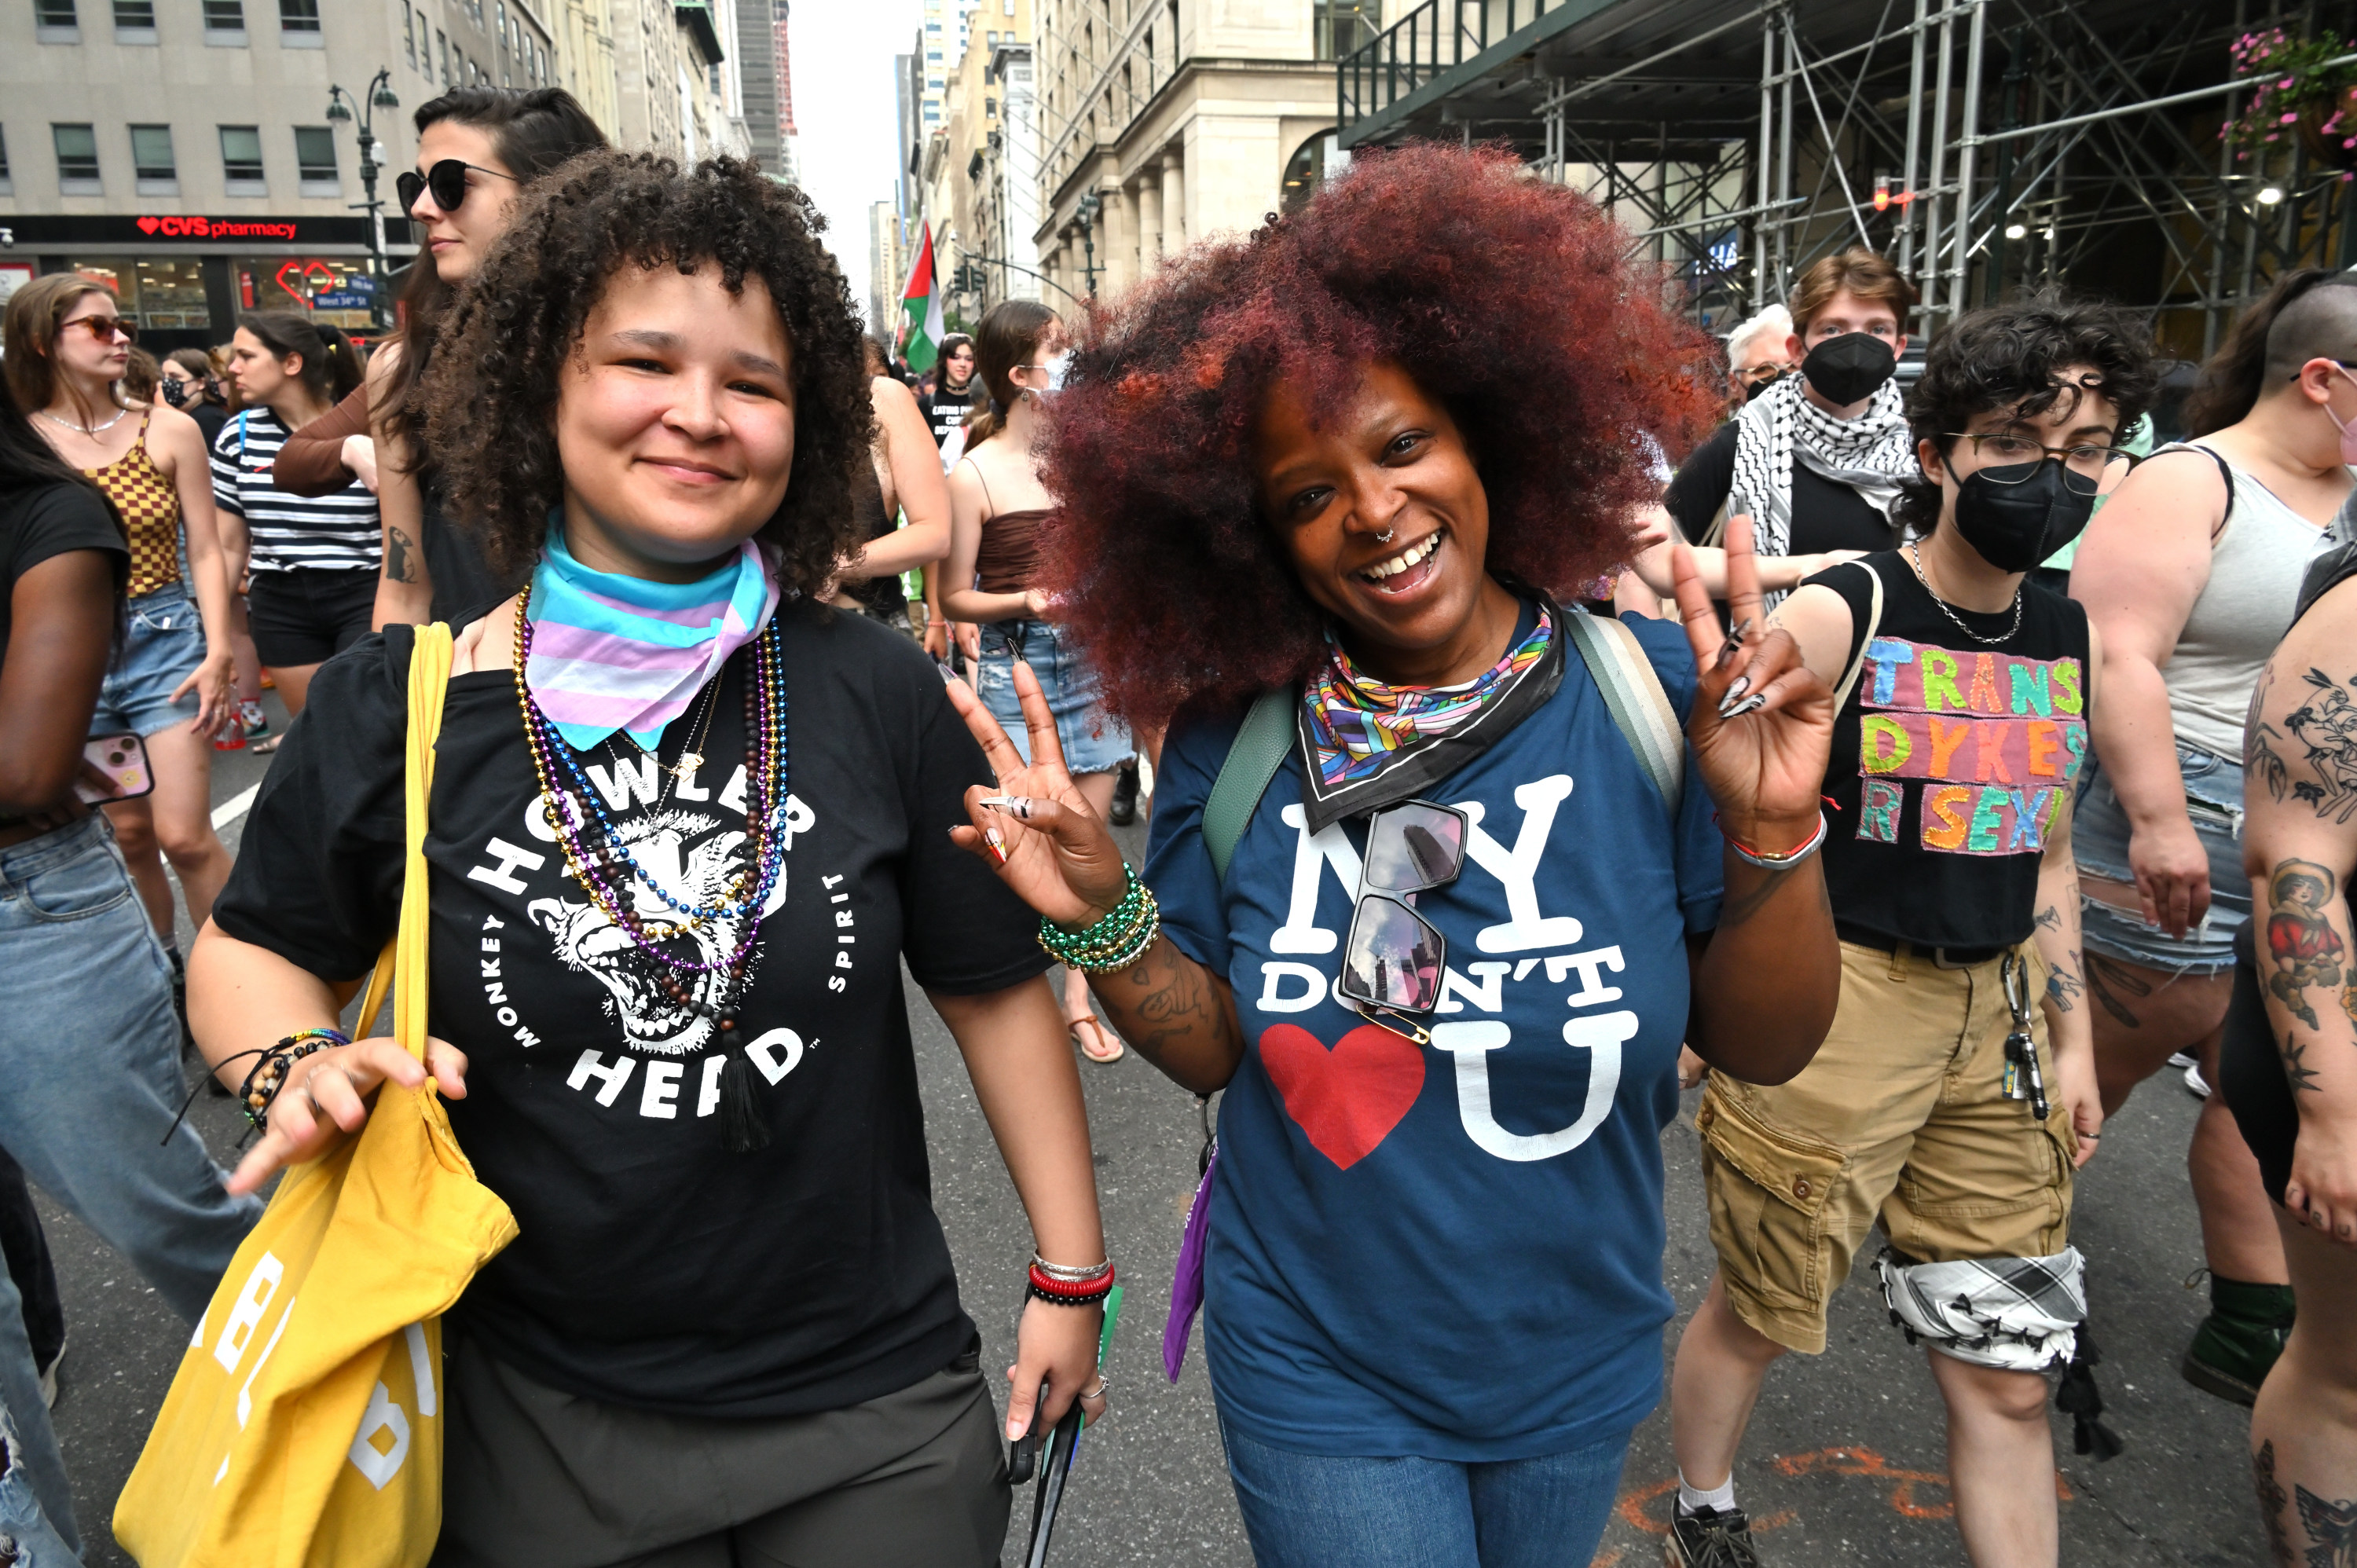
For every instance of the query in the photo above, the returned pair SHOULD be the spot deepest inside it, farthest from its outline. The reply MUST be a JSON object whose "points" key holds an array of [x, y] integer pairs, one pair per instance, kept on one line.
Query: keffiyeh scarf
{"points": [[1871, 453], [611, 652], [1356, 724]]}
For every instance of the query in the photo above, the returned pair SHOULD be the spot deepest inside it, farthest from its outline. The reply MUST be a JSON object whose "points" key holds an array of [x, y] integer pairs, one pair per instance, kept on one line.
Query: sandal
{"points": [[264, 747], [1095, 1027]]}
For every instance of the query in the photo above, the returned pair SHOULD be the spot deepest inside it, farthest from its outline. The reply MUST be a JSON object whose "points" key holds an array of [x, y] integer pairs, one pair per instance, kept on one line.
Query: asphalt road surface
{"points": [[1844, 1457]]}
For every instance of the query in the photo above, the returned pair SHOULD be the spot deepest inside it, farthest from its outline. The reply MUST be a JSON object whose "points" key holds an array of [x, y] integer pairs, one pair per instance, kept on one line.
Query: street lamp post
{"points": [[1091, 206], [339, 112]]}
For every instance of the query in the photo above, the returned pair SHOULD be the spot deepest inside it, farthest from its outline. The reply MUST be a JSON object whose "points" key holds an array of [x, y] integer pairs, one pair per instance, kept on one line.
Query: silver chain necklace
{"points": [[1915, 555], [85, 429]]}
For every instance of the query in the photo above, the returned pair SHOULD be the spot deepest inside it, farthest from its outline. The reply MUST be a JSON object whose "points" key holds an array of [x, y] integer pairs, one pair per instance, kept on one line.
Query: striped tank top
{"points": [[143, 493]]}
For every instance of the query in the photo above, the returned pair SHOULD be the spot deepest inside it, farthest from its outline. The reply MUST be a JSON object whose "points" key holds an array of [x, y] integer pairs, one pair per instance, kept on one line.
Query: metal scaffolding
{"points": [[1987, 146]]}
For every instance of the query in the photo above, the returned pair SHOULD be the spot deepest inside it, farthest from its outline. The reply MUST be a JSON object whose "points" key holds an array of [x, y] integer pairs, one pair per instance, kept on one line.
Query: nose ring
{"points": [[1385, 536]]}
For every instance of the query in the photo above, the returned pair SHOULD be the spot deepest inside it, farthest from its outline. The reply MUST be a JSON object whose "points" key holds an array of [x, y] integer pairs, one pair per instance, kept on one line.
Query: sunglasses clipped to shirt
{"points": [[1391, 966], [447, 180]]}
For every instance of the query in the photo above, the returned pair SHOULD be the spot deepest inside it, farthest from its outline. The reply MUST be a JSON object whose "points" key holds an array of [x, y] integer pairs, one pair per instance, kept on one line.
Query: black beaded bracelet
{"points": [[1094, 1298], [262, 1086]]}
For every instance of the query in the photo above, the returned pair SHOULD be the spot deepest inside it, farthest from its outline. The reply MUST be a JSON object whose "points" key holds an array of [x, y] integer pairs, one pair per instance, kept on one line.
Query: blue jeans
{"points": [[1307, 1511], [89, 1080], [36, 1504]]}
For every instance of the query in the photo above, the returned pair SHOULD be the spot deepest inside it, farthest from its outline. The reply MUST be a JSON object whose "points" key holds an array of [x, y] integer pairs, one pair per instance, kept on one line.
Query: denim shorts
{"points": [[1093, 740], [2099, 841], [163, 643]]}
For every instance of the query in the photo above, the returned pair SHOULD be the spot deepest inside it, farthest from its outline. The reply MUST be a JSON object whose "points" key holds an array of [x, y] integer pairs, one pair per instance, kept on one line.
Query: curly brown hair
{"points": [[492, 391], [1509, 299]]}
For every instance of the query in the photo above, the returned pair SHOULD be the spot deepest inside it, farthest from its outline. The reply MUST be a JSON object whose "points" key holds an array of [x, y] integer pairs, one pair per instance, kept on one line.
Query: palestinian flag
{"points": [[920, 311]]}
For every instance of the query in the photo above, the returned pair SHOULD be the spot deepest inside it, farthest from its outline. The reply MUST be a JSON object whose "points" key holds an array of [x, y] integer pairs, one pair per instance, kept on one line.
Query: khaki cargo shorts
{"points": [[1901, 1117]]}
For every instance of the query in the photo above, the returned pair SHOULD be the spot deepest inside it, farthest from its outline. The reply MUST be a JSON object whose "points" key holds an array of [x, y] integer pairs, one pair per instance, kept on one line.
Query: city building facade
{"points": [[202, 156], [1166, 121]]}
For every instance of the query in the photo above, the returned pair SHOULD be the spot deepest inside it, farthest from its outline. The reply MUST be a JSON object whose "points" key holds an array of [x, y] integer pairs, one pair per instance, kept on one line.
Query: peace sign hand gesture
{"points": [[1050, 848], [1762, 725]]}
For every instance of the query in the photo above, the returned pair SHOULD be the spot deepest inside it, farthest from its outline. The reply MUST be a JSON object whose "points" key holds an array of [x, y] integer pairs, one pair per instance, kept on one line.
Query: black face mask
{"points": [[1848, 369], [2014, 527], [176, 392]]}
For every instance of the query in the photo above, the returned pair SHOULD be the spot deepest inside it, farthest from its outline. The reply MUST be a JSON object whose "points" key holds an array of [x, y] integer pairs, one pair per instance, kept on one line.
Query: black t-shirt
{"points": [[462, 574], [210, 417], [945, 410], [1953, 759], [45, 520], [1825, 515], [654, 1269]]}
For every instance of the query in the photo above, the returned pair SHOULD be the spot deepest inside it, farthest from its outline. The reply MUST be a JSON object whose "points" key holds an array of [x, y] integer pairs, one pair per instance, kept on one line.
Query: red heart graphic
{"points": [[1347, 1100], [149, 225]]}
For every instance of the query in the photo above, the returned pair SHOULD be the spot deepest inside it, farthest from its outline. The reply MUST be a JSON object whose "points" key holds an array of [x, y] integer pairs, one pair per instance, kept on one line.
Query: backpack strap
{"points": [[1641, 709], [1873, 624], [1257, 752]]}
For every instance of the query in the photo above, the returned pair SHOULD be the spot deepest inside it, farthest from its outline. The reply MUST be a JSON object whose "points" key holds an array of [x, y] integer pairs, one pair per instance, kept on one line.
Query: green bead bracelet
{"points": [[1115, 942]]}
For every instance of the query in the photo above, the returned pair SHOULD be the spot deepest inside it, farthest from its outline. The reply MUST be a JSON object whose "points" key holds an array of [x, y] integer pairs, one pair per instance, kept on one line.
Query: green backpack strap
{"points": [[1252, 760], [1633, 692]]}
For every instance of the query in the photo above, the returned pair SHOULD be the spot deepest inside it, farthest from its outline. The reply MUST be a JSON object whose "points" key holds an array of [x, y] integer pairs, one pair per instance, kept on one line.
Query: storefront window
{"points": [[331, 290], [154, 293]]}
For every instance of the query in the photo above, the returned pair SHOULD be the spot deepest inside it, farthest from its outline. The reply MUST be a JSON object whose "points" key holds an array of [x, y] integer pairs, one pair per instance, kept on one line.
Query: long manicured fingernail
{"points": [[1733, 694], [998, 844], [1014, 806], [1749, 704], [1733, 642]]}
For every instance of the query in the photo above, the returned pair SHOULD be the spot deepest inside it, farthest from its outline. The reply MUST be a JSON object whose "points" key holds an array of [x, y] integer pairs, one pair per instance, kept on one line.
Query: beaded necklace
{"points": [[594, 851]]}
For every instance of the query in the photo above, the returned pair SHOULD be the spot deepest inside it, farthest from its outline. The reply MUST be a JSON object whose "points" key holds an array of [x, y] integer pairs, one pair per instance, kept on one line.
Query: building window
{"points": [[315, 153], [135, 14], [409, 35], [990, 108], [442, 46], [1343, 26], [241, 154], [299, 16], [151, 152], [77, 153], [4, 158], [55, 14], [225, 16]]}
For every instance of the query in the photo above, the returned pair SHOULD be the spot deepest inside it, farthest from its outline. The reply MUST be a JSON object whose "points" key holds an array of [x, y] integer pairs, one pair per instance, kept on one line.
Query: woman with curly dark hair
{"points": [[1319, 494], [667, 996]]}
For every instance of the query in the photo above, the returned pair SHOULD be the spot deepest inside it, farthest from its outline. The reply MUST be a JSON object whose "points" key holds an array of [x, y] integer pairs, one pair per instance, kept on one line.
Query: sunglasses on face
{"points": [[103, 329], [1393, 963], [447, 181]]}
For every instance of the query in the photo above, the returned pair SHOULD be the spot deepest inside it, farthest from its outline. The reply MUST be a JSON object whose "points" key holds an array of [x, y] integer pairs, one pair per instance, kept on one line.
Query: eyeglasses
{"points": [[103, 327], [447, 180], [2014, 459], [1759, 376], [1393, 963]]}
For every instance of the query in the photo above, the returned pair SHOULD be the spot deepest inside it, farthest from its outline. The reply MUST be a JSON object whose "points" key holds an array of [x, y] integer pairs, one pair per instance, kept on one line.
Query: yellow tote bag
{"points": [[304, 1429]]}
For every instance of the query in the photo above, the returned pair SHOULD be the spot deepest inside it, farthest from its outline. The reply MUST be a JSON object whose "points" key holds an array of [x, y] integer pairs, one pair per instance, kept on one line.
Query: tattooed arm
{"points": [[2070, 1030], [403, 591], [2299, 845]]}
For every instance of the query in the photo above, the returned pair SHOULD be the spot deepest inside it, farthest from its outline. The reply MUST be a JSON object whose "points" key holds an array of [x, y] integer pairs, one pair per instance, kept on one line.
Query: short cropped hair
{"points": [[2009, 356], [1858, 271], [1511, 301], [492, 392]]}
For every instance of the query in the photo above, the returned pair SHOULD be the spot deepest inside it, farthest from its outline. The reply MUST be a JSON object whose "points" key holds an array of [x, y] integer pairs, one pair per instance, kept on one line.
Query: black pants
{"points": [[27, 1252]]}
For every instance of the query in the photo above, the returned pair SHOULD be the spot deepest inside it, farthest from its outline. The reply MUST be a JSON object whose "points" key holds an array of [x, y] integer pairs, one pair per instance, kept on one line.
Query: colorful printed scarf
{"points": [[610, 653], [1358, 724]]}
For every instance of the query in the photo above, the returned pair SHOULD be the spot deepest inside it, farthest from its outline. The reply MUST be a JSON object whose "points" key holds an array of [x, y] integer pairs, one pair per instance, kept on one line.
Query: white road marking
{"points": [[236, 806]]}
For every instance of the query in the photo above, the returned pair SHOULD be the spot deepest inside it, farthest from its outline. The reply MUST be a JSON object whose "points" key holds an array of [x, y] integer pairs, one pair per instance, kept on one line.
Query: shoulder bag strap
{"points": [[1252, 760], [1873, 624], [401, 967], [1641, 709]]}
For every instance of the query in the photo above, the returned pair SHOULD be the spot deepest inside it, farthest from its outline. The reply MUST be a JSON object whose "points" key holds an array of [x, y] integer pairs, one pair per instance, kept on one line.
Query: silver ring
{"points": [[1103, 1383], [1385, 536]]}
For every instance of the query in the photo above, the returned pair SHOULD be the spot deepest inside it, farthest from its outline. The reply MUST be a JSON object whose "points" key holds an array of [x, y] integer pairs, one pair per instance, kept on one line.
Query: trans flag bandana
{"points": [[610, 653], [1357, 724]]}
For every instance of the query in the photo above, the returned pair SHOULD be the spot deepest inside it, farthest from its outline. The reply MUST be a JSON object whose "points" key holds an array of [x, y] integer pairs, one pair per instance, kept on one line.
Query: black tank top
{"points": [[1953, 759]]}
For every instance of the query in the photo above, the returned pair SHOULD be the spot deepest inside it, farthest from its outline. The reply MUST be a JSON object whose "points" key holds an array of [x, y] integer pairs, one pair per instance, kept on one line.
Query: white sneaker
{"points": [[2184, 1059], [2194, 1081], [50, 1379]]}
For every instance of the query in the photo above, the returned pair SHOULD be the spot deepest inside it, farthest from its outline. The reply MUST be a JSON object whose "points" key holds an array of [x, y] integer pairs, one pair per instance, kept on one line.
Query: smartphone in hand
{"points": [[122, 761]]}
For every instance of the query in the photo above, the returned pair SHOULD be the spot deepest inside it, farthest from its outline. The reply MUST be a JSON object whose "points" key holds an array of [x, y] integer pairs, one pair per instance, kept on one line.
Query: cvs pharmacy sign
{"points": [[177, 228]]}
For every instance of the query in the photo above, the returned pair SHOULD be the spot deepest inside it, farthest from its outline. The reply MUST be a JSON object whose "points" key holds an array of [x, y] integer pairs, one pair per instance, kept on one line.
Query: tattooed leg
{"points": [[2273, 1500]]}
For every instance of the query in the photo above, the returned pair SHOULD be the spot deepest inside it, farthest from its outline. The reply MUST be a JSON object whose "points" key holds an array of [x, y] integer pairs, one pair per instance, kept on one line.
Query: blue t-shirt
{"points": [[1451, 1252]]}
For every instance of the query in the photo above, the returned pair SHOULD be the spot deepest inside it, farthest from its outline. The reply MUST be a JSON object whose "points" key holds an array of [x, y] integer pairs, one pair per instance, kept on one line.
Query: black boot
{"points": [[1124, 795], [2237, 1344]]}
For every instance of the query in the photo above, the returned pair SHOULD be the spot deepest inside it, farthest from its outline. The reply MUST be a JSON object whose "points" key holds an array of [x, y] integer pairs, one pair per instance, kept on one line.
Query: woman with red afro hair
{"points": [[1319, 491]]}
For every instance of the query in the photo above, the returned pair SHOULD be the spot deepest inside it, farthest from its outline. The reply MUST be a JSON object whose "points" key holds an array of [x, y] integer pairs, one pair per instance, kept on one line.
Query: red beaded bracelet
{"points": [[1077, 1292]]}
